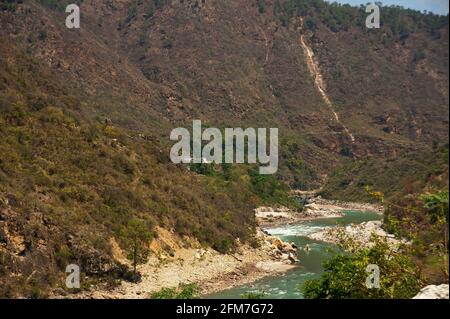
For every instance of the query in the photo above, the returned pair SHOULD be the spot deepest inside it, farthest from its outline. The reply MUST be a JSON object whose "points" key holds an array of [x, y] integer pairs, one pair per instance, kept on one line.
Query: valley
{"points": [[288, 284], [359, 120], [246, 270]]}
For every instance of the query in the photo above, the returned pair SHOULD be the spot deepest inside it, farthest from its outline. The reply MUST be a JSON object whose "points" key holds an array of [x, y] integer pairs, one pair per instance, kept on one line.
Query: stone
{"points": [[433, 292], [293, 258], [284, 256]]}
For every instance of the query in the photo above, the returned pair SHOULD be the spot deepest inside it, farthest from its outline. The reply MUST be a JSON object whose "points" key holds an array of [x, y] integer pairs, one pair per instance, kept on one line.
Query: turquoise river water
{"points": [[287, 285]]}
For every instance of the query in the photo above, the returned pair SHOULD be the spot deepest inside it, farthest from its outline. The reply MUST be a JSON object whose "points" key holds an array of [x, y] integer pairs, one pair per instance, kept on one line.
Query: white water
{"points": [[310, 266], [295, 230]]}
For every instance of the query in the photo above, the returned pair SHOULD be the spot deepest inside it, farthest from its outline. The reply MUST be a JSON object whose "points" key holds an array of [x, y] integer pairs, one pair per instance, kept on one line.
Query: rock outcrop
{"points": [[276, 215], [361, 233], [278, 249], [433, 292], [318, 206]]}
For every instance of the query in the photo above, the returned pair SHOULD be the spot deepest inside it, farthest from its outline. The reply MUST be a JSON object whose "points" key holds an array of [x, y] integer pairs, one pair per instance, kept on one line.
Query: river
{"points": [[310, 266]]}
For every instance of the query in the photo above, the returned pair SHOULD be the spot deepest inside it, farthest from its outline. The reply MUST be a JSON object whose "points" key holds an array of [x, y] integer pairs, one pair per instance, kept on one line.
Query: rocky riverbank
{"points": [[270, 216], [314, 208], [434, 292], [176, 260], [339, 206], [361, 234], [275, 257], [210, 270]]}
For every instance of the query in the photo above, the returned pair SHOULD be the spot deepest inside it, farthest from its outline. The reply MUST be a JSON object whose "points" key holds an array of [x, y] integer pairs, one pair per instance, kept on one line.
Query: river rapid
{"points": [[288, 285]]}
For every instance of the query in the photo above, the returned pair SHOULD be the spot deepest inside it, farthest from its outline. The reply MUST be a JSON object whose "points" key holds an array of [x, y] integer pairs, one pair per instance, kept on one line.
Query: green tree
{"points": [[136, 237], [437, 207], [345, 275]]}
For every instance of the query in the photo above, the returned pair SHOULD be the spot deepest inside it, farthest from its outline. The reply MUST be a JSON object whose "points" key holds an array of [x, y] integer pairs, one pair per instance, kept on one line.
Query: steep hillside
{"points": [[68, 187], [410, 172], [86, 115], [151, 65]]}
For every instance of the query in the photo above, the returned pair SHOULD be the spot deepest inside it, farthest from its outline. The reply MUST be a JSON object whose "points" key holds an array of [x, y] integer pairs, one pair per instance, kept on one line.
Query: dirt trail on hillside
{"points": [[267, 45], [314, 69]]}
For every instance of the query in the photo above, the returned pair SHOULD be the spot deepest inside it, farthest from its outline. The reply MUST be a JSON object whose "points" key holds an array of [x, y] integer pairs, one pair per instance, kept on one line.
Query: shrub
{"points": [[42, 35], [63, 257], [254, 295], [136, 236], [167, 43], [345, 275], [131, 14], [261, 6], [184, 291], [223, 245]]}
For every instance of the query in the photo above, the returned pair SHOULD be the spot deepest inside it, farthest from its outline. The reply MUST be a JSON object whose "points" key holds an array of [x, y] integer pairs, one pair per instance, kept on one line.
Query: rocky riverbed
{"points": [[315, 207], [189, 262], [210, 270], [361, 234]]}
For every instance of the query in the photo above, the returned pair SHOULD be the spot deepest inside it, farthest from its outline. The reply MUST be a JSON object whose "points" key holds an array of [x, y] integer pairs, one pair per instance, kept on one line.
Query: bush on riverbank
{"points": [[184, 291], [424, 221], [345, 275]]}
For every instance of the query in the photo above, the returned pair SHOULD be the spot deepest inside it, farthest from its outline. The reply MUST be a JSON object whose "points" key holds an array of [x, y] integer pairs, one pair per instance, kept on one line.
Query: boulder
{"points": [[284, 256], [433, 292], [288, 248], [293, 258]]}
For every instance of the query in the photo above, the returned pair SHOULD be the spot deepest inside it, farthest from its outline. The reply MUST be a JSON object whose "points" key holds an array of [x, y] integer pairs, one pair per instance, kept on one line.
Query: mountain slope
{"points": [[68, 187], [86, 116]]}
